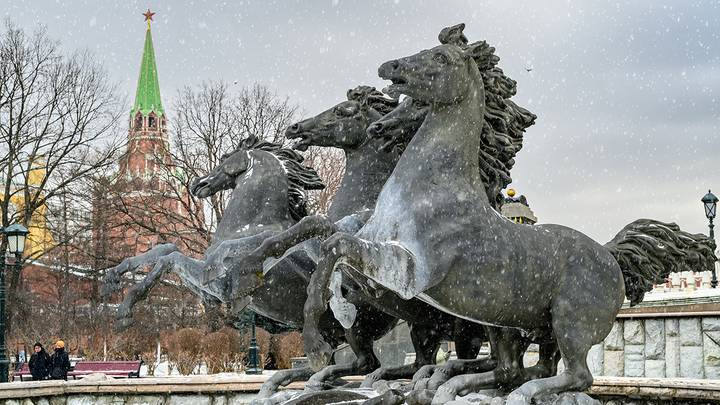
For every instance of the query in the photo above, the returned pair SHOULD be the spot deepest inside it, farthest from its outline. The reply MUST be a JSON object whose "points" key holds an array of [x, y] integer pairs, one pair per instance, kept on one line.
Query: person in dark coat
{"points": [[39, 363], [59, 362]]}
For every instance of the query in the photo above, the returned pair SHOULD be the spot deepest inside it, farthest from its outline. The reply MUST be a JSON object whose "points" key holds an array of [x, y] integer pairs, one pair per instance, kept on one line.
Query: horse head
{"points": [[439, 75], [342, 126], [397, 128], [222, 177]]}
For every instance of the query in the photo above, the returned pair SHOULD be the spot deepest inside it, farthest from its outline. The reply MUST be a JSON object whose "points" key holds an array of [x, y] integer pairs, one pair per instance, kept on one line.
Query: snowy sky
{"points": [[626, 93]]}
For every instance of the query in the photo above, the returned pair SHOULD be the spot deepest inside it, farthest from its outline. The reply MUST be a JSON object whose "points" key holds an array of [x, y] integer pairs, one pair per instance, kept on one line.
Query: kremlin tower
{"points": [[148, 204]]}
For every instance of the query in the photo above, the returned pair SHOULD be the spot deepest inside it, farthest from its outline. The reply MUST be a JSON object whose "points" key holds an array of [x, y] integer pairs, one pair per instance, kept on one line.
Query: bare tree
{"points": [[330, 165], [58, 117]]}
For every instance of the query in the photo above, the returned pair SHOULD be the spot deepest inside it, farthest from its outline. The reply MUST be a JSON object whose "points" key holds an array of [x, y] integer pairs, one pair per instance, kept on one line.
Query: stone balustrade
{"points": [[663, 338], [240, 389]]}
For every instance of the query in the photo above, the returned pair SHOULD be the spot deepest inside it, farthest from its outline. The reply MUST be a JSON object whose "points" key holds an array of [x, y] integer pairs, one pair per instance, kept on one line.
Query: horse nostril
{"points": [[394, 64], [294, 128], [376, 128]]}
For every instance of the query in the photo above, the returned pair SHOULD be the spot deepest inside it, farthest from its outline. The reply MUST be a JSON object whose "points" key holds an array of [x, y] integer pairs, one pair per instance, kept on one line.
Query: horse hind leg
{"points": [[574, 342], [507, 347], [361, 343], [426, 343], [547, 363]]}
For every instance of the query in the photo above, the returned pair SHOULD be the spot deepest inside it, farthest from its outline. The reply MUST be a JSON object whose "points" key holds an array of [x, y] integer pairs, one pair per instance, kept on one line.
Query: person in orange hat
{"points": [[59, 362]]}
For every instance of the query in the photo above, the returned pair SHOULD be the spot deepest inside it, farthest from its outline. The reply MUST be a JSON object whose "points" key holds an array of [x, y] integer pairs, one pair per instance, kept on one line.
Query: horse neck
{"points": [[447, 145], [366, 171], [259, 201]]}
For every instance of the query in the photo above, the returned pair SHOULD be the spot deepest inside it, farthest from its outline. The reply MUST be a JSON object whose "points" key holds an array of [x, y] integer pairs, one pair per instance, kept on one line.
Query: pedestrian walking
{"points": [[59, 362], [39, 363]]}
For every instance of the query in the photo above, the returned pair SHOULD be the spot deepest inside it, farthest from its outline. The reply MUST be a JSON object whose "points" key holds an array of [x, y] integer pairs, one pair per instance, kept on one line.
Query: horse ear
{"points": [[453, 35]]}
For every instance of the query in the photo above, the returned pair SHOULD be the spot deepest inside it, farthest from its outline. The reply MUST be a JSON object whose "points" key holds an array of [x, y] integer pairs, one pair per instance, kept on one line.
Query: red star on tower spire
{"points": [[148, 16]]}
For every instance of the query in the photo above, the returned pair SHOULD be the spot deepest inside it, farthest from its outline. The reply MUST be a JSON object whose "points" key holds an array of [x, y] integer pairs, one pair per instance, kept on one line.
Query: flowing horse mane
{"points": [[649, 250], [369, 96], [505, 122], [300, 177]]}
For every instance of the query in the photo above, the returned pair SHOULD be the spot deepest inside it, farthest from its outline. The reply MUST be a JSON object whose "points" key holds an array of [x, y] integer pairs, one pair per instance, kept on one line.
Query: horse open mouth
{"points": [[304, 143], [396, 89], [201, 189]]}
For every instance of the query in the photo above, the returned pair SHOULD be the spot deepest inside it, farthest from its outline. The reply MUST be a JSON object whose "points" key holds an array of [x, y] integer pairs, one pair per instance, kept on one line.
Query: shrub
{"points": [[285, 347], [185, 350]]}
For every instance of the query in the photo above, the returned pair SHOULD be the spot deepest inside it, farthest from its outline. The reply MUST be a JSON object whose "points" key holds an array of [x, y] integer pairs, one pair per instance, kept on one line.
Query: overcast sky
{"points": [[626, 93]]}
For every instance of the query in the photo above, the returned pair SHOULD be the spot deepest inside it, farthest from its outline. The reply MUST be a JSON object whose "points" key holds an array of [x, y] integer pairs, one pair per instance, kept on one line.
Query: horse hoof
{"points": [[314, 386], [516, 398], [420, 397], [371, 379], [389, 397], [421, 384], [443, 395], [319, 354], [425, 371]]}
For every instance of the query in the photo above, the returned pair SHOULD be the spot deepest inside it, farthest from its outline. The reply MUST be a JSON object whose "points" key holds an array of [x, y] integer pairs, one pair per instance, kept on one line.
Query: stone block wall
{"points": [[660, 347]]}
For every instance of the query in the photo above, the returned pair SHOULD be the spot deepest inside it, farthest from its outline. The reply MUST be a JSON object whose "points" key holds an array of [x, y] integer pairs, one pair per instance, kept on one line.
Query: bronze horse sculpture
{"points": [[434, 235], [394, 130]]}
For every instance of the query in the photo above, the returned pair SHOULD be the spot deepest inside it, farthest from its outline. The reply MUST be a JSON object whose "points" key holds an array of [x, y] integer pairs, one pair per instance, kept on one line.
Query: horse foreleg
{"points": [[339, 245], [314, 226], [140, 291], [113, 276], [191, 272], [358, 254]]}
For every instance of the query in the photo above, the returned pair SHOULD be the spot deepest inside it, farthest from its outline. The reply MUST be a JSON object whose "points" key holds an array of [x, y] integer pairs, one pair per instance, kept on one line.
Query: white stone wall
{"points": [[659, 347]]}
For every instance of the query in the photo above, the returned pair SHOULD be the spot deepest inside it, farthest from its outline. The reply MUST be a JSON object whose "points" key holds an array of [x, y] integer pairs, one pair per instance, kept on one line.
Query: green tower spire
{"points": [[147, 97]]}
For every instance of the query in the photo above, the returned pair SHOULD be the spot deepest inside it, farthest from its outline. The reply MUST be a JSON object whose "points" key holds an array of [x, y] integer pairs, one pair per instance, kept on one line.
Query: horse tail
{"points": [[648, 251]]}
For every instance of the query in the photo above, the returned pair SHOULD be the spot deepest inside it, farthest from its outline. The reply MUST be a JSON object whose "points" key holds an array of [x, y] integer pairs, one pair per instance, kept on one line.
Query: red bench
{"points": [[117, 369], [24, 372]]}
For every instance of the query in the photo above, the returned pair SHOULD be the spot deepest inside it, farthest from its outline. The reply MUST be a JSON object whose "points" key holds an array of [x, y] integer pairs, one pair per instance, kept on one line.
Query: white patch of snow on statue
{"points": [[344, 311]]}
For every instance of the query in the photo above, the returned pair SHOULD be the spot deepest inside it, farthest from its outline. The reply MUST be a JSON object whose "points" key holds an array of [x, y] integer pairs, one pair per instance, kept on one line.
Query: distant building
{"points": [[517, 209], [40, 239]]}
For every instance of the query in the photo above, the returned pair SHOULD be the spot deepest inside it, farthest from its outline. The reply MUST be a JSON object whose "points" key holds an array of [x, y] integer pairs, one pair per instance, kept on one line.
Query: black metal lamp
{"points": [[710, 204], [16, 235]]}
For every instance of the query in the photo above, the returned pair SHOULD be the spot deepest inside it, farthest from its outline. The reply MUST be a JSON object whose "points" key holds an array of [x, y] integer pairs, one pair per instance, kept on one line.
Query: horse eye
{"points": [[441, 58]]}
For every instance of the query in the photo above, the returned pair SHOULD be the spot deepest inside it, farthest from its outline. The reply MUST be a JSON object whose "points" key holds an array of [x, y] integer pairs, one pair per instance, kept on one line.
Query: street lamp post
{"points": [[710, 204], [15, 235], [253, 360]]}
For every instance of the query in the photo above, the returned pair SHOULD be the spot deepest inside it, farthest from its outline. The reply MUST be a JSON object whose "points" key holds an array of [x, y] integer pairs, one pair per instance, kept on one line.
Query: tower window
{"points": [[151, 121], [138, 122]]}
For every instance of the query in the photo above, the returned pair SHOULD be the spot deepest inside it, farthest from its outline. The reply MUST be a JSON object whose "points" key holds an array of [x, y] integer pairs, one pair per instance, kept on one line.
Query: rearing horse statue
{"points": [[268, 183], [434, 235]]}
